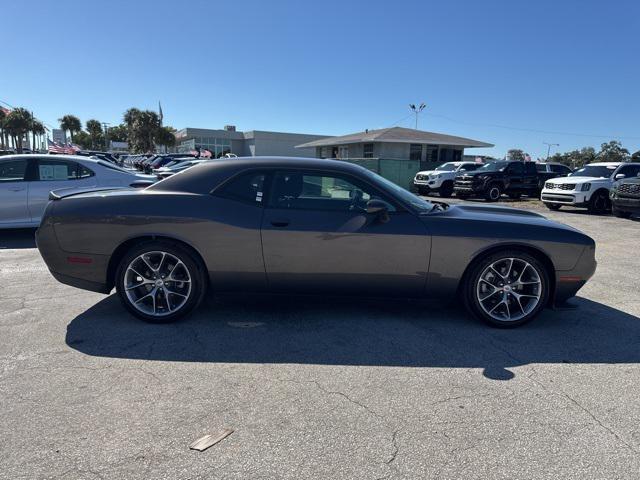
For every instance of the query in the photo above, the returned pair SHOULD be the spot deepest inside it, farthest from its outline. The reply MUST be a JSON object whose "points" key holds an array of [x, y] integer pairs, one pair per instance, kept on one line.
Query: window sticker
{"points": [[54, 172]]}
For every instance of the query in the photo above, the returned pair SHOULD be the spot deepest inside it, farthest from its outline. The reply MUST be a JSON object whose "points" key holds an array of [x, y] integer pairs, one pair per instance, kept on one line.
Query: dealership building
{"points": [[245, 144], [395, 153]]}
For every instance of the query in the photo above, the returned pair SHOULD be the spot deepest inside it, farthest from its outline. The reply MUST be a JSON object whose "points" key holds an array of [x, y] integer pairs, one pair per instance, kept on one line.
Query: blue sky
{"points": [[559, 71]]}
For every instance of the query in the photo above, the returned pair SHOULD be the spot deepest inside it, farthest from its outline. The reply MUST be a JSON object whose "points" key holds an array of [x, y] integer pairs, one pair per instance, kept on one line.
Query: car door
{"points": [[514, 172], [316, 237], [530, 181], [55, 174], [14, 192]]}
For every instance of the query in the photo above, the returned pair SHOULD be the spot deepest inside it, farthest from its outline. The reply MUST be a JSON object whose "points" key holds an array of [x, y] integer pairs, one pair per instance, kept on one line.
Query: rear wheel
{"points": [[160, 282], [620, 213], [552, 206], [599, 203], [507, 289], [493, 193], [446, 190]]}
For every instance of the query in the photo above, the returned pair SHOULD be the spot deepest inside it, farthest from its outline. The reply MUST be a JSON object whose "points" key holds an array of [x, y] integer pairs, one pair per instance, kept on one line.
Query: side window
{"points": [[515, 168], [630, 171], [12, 170], [321, 191], [541, 167], [530, 168], [246, 188], [470, 167], [84, 172], [560, 169], [56, 170]]}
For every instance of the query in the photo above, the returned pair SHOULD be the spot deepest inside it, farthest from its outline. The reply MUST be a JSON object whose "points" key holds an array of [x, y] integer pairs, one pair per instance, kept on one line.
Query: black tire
{"points": [[446, 189], [599, 203], [472, 279], [621, 213], [552, 206], [195, 271], [493, 193]]}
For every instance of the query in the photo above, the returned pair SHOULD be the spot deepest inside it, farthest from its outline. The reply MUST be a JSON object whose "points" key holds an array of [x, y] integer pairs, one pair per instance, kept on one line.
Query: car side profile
{"points": [[26, 180], [277, 224]]}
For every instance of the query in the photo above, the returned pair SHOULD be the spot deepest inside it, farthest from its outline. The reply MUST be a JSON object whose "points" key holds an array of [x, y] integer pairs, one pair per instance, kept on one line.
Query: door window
{"points": [[321, 191], [560, 169], [60, 170], [247, 187], [13, 170], [516, 169]]}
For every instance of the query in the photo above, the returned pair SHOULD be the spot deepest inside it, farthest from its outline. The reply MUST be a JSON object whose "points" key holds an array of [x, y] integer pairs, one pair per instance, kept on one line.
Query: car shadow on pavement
{"points": [[338, 331], [18, 238]]}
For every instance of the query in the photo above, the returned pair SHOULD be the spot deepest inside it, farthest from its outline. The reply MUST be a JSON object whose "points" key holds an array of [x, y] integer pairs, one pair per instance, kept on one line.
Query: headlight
{"points": [[585, 187]]}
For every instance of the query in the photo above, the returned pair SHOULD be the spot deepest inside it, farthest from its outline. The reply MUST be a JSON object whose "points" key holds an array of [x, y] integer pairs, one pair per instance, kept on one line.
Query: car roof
{"points": [[205, 176], [605, 164]]}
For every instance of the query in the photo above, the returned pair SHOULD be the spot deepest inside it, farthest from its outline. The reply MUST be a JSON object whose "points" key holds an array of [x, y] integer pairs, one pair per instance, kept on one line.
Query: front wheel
{"points": [[507, 289], [599, 203], [493, 193], [160, 282], [446, 190]]}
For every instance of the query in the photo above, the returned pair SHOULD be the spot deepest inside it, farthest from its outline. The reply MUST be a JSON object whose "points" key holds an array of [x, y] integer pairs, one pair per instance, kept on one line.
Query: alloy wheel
{"points": [[509, 289], [157, 283]]}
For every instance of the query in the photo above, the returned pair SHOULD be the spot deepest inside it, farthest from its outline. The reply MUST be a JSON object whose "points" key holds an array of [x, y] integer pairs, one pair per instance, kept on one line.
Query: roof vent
{"points": [[230, 128]]}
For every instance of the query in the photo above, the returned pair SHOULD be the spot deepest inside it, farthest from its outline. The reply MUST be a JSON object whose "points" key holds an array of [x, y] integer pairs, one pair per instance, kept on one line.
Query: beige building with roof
{"points": [[396, 153]]}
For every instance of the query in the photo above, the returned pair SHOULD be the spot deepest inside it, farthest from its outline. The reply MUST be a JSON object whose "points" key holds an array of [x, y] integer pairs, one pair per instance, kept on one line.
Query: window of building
{"points": [[343, 152], [415, 151], [247, 188], [367, 150], [432, 153]]}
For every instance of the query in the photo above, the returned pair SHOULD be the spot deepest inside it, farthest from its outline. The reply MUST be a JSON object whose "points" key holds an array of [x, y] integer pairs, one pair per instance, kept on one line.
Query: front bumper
{"points": [[568, 282], [628, 204], [573, 198]]}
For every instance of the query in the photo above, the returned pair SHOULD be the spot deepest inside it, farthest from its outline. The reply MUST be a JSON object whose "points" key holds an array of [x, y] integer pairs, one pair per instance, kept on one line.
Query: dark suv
{"points": [[490, 181], [625, 197]]}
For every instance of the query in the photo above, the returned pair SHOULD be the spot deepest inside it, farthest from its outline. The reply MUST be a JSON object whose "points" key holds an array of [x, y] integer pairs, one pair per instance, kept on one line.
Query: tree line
{"points": [[612, 151], [141, 129]]}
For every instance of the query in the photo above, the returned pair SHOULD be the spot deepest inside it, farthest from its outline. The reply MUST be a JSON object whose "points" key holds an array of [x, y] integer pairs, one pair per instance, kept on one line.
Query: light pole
{"points": [[105, 127], [549, 145], [417, 110]]}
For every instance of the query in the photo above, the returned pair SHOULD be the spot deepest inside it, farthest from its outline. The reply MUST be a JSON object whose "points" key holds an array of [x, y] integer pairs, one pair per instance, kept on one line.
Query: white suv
{"points": [[588, 187], [441, 179]]}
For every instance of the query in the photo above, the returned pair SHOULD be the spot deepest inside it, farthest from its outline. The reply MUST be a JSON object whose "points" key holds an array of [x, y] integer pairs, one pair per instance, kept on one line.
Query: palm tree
{"points": [[95, 131], [142, 127], [165, 136], [71, 124], [18, 124], [37, 129]]}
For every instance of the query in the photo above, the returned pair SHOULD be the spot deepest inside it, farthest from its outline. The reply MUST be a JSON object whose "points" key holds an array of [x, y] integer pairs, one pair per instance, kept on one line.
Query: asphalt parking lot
{"points": [[321, 388]]}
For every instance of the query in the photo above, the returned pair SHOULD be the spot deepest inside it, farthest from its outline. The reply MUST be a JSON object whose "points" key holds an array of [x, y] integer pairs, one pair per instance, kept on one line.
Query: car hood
{"points": [[427, 172], [564, 180], [493, 214]]}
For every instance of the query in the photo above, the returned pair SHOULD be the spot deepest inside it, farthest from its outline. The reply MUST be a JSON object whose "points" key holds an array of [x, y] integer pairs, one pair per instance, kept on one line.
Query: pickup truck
{"points": [[441, 179], [490, 181]]}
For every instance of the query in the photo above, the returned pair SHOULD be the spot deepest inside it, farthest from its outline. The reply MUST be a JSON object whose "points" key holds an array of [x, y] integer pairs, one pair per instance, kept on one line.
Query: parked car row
{"points": [[599, 187]]}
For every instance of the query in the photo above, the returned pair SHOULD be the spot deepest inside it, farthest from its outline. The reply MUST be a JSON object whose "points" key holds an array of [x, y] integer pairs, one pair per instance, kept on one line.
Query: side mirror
{"points": [[378, 208], [619, 176]]}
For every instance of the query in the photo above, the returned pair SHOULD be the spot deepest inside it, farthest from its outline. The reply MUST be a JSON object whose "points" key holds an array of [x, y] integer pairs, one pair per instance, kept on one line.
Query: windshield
{"points": [[447, 167], [492, 167], [601, 171], [408, 197]]}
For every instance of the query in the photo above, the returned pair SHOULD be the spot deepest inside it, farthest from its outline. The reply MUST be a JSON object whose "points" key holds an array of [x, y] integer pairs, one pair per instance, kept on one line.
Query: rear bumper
{"points": [[79, 270]]}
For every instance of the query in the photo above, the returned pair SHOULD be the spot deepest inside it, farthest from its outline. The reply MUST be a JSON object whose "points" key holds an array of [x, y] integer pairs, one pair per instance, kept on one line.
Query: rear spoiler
{"points": [[69, 192]]}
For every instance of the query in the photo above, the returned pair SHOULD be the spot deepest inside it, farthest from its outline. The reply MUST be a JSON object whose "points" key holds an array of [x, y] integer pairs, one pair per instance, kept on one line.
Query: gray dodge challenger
{"points": [[306, 226]]}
